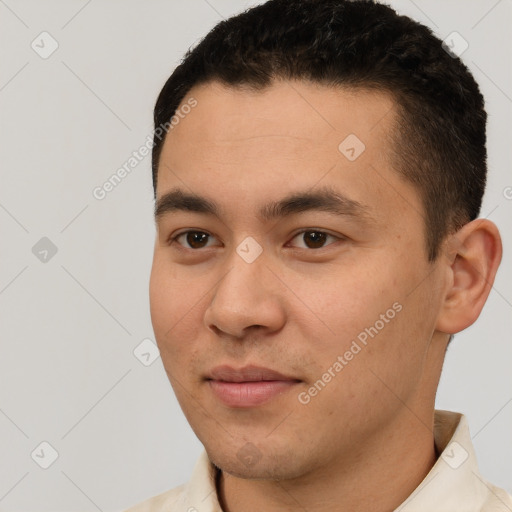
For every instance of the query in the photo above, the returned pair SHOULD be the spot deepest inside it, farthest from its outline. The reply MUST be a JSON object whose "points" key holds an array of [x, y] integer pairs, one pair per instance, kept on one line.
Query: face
{"points": [[306, 256]]}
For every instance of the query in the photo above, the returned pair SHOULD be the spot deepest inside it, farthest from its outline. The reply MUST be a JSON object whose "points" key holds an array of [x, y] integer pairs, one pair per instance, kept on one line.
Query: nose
{"points": [[248, 297]]}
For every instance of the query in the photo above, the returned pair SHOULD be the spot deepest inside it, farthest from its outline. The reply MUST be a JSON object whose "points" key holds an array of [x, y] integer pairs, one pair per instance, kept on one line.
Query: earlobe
{"points": [[474, 256]]}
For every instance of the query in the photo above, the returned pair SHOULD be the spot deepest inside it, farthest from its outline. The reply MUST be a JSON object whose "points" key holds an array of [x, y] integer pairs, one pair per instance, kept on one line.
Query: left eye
{"points": [[314, 239]]}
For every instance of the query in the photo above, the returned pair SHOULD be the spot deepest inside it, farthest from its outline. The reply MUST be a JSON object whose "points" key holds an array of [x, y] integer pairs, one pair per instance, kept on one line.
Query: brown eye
{"points": [[313, 239], [193, 239]]}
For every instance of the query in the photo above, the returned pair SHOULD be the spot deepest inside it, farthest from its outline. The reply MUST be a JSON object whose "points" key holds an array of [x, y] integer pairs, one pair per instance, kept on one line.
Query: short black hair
{"points": [[439, 136]]}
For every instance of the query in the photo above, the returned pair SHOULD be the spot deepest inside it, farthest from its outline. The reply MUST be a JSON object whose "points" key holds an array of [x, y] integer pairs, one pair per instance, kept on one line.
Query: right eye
{"points": [[195, 239]]}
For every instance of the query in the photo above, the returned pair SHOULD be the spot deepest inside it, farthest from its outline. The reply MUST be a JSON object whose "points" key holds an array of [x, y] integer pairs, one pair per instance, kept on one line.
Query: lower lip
{"points": [[249, 394]]}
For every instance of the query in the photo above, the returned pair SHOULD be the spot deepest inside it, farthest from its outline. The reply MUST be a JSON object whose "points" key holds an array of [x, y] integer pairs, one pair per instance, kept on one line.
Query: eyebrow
{"points": [[323, 199]]}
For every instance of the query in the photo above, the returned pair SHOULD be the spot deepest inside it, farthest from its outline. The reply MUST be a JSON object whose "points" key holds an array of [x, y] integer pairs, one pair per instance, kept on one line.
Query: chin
{"points": [[250, 464]]}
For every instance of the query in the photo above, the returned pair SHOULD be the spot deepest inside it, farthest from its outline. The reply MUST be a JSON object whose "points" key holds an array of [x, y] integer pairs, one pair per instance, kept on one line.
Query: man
{"points": [[317, 194]]}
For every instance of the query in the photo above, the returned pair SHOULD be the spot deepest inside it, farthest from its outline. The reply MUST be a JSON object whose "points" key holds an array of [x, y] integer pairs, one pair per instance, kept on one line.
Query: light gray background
{"points": [[70, 325]]}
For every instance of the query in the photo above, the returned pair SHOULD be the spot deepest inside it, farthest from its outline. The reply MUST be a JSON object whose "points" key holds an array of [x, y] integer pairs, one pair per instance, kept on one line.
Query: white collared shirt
{"points": [[454, 483]]}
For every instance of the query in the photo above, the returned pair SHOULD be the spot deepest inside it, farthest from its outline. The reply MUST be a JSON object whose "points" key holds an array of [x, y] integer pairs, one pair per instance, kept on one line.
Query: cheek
{"points": [[366, 317], [176, 327], [174, 310], [348, 302], [161, 299]]}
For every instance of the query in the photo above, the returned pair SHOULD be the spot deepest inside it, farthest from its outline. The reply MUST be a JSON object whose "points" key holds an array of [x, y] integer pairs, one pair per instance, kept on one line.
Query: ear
{"points": [[474, 254]]}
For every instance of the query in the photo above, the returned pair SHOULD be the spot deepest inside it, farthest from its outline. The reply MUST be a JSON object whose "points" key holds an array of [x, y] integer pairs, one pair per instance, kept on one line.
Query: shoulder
{"points": [[167, 501], [498, 500], [197, 495]]}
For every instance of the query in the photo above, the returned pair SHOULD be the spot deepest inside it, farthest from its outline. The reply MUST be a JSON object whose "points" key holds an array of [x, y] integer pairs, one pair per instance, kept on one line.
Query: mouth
{"points": [[249, 386]]}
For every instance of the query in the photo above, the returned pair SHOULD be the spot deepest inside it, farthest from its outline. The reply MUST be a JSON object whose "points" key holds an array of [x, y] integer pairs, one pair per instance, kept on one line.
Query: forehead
{"points": [[301, 115], [253, 144]]}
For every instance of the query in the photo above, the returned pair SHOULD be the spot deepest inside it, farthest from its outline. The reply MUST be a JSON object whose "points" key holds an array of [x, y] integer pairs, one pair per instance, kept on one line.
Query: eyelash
{"points": [[174, 238]]}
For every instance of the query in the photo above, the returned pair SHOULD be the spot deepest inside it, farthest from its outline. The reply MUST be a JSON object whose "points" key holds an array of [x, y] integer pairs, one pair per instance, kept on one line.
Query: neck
{"points": [[378, 477]]}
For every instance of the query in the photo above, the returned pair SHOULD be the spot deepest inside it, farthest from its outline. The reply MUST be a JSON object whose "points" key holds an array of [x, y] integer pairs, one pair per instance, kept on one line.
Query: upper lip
{"points": [[249, 373]]}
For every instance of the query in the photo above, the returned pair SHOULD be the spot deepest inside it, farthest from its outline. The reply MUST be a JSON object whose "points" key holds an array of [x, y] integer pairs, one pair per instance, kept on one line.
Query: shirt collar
{"points": [[453, 484]]}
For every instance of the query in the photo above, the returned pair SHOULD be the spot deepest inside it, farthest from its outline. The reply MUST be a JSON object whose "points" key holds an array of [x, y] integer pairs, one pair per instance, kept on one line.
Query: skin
{"points": [[295, 309]]}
